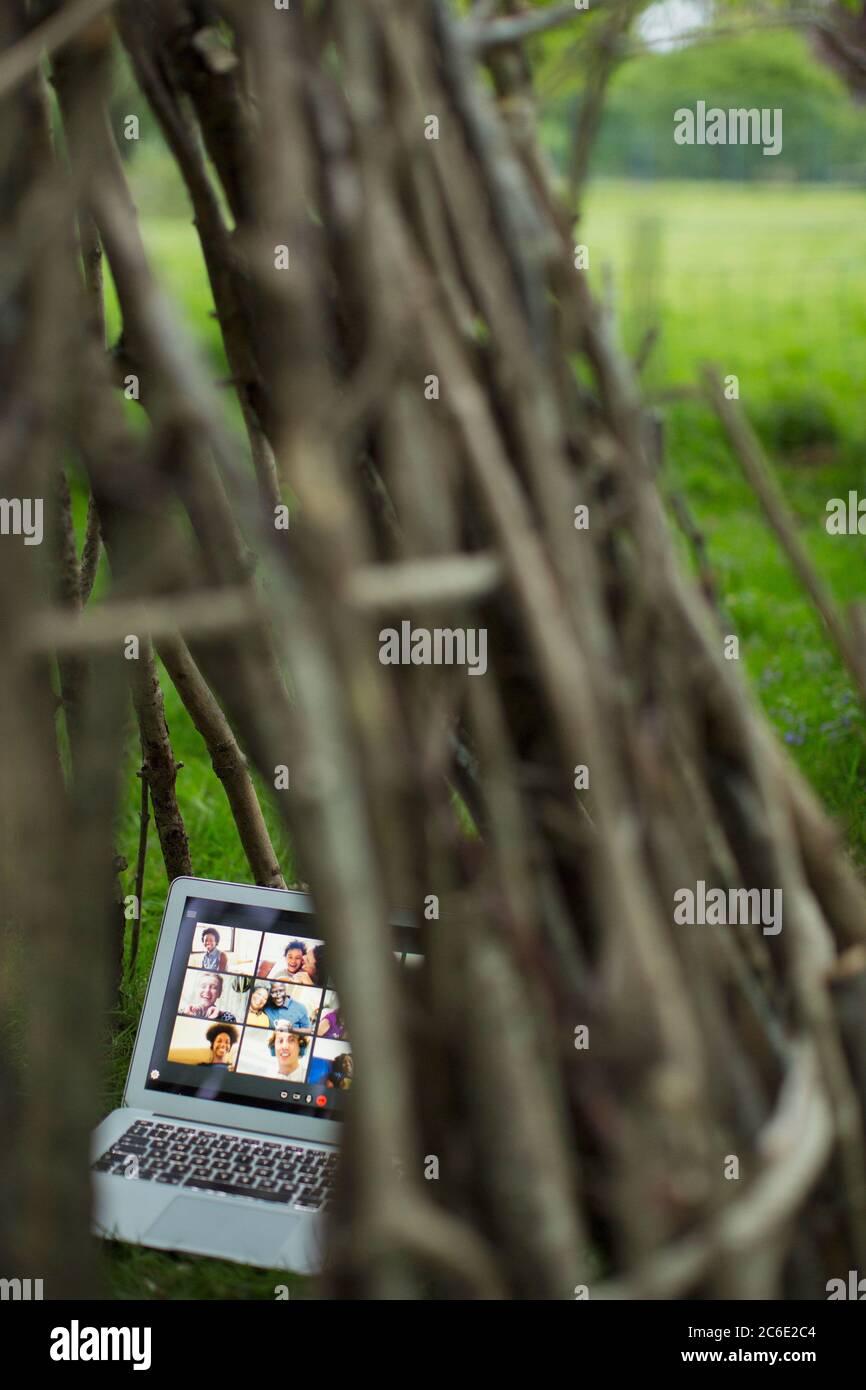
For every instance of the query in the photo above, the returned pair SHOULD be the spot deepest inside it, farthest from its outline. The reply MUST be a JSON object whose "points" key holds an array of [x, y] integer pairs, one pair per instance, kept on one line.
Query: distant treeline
{"points": [[824, 132]]}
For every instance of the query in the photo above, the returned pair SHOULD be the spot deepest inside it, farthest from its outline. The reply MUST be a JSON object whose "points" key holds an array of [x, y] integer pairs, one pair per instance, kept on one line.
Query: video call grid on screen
{"points": [[250, 1015]]}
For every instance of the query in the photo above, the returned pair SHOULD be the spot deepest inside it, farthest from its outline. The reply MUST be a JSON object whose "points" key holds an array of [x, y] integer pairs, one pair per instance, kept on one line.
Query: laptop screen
{"points": [[251, 1014]]}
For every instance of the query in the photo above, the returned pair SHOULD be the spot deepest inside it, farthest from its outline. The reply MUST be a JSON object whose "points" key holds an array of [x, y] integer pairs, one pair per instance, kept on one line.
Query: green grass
{"points": [[133, 1272], [768, 282], [137, 1273], [765, 280]]}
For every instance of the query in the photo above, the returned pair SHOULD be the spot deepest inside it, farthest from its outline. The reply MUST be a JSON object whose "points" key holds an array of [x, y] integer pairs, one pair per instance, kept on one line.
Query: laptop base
{"points": [[241, 1229]]}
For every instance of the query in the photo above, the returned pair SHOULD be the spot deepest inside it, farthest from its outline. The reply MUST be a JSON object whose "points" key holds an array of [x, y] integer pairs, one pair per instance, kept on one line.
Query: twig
{"points": [[645, 347], [607, 53], [159, 769], [796, 1144], [757, 470], [207, 613], [143, 820], [90, 553], [47, 37], [228, 761], [71, 667], [442, 579], [697, 540], [484, 37]]}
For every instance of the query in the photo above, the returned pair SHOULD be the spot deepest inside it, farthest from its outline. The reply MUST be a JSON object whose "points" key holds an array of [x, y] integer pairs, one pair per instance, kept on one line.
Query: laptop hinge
{"points": [[239, 1129]]}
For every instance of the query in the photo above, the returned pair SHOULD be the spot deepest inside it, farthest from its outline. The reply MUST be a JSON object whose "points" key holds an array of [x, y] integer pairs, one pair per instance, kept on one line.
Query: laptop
{"points": [[226, 1143]]}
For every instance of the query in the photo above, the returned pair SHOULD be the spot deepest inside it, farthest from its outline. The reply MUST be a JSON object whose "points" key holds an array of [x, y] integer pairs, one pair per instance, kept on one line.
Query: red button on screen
{"points": [[321, 1100]]}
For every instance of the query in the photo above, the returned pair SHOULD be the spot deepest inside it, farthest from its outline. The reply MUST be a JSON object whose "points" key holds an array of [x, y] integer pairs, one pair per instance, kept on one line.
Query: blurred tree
{"points": [[840, 39], [824, 133]]}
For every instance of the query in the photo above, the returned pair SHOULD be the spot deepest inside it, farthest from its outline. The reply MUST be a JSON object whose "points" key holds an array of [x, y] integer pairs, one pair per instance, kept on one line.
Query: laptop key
{"points": [[231, 1189], [181, 1155]]}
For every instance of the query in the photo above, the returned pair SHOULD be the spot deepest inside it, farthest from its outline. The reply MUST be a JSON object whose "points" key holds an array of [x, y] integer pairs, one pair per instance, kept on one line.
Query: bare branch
{"points": [[754, 464], [91, 552], [228, 761], [441, 580], [141, 861], [65, 24], [206, 613], [482, 38], [159, 769]]}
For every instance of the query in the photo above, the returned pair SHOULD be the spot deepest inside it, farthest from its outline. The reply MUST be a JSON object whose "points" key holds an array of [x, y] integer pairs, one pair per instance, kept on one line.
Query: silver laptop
{"points": [[226, 1142]]}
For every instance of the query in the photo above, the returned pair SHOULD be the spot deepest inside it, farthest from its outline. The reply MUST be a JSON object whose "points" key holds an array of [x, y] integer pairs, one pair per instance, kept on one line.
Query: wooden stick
{"points": [[227, 760], [63, 25], [757, 470]]}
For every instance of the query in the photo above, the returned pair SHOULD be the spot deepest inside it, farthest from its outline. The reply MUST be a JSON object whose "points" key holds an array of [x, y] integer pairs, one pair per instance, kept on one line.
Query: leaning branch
{"points": [[228, 761], [46, 38], [210, 612], [484, 37], [754, 464], [159, 769]]}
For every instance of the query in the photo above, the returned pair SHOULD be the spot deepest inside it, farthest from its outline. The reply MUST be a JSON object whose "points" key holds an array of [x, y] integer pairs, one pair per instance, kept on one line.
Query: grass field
{"points": [[768, 282]]}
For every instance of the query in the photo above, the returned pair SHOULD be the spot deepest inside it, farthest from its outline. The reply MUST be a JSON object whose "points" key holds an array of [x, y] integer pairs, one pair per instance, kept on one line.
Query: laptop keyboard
{"points": [[204, 1161]]}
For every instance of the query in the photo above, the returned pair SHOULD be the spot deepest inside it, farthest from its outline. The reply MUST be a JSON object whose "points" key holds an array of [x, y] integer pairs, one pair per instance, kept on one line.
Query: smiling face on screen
{"points": [[210, 990], [287, 1050], [294, 960]]}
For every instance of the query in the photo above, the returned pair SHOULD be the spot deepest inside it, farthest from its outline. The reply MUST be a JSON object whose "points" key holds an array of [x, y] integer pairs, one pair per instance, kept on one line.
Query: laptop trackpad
{"points": [[198, 1224]]}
